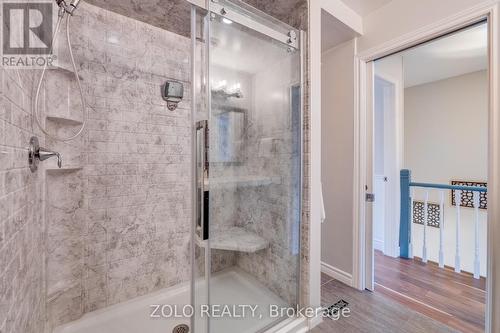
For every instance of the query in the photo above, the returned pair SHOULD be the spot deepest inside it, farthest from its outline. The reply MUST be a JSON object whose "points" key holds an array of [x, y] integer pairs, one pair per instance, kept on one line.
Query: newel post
{"points": [[404, 223]]}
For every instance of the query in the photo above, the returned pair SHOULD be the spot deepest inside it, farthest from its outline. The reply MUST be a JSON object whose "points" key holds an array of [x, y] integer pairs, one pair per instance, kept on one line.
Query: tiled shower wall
{"points": [[132, 208], [22, 299]]}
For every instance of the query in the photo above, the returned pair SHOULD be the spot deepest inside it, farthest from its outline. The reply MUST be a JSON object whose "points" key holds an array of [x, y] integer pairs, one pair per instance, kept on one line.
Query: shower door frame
{"points": [[298, 43]]}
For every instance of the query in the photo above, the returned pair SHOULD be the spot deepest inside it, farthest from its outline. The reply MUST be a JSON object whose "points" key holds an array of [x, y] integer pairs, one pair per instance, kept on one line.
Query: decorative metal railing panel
{"points": [[432, 215]]}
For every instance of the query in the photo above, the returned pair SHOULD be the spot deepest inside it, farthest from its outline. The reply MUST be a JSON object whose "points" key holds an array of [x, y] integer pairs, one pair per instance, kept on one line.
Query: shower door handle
{"points": [[202, 167]]}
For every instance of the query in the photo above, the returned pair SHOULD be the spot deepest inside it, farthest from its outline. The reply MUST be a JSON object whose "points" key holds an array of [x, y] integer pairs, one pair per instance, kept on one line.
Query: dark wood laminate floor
{"points": [[372, 313], [457, 300]]}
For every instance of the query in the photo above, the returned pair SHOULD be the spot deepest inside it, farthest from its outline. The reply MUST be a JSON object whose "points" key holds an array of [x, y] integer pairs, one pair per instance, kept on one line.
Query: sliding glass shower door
{"points": [[247, 96]]}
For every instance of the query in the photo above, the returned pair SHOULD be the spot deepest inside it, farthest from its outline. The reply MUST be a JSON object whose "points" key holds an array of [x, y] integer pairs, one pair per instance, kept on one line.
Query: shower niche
{"points": [[61, 112]]}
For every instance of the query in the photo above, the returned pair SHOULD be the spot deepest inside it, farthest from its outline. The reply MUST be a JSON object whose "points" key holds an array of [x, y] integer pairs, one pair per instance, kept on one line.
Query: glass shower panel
{"points": [[200, 250], [254, 181]]}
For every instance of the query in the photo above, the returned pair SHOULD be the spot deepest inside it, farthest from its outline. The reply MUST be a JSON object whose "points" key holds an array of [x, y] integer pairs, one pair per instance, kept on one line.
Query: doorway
{"points": [[429, 155]]}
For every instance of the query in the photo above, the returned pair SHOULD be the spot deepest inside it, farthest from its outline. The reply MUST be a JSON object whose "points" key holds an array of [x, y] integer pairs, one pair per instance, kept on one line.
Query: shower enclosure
{"points": [[156, 162], [247, 110]]}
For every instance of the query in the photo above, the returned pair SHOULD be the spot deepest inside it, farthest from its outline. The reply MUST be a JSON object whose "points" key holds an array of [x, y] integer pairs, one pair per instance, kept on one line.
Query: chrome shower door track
{"points": [[282, 33]]}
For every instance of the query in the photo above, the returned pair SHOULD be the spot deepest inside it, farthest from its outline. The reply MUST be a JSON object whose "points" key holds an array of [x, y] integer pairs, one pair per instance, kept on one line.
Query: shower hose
{"points": [[75, 71]]}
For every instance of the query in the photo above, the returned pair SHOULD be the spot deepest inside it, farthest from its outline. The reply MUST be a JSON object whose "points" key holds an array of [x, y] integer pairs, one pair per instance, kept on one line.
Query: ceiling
{"points": [[334, 32], [365, 7], [174, 15], [453, 55]]}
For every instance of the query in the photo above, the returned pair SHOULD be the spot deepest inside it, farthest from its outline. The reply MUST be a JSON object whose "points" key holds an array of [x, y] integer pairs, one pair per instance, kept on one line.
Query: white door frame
{"points": [[393, 162], [363, 64]]}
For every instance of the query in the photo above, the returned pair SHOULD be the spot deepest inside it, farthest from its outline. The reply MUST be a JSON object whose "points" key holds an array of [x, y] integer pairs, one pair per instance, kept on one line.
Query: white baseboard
{"points": [[337, 274], [378, 245], [292, 325]]}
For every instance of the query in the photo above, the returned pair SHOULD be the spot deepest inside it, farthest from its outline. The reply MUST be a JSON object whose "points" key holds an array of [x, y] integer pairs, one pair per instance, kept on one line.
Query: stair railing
{"points": [[405, 232]]}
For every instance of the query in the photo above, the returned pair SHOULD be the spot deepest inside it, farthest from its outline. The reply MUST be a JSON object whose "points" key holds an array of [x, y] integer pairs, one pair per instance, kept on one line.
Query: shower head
{"points": [[73, 5], [68, 8]]}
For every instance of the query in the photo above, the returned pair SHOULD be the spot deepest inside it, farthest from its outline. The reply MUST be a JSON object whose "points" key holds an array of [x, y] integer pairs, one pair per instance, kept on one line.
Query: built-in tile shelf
{"points": [[63, 169], [245, 181], [65, 69], [64, 121], [236, 239]]}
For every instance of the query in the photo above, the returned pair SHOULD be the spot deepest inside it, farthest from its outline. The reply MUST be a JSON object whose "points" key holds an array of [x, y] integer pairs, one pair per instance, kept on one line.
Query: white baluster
{"points": [[458, 201], [426, 220], [412, 199], [476, 235], [441, 228]]}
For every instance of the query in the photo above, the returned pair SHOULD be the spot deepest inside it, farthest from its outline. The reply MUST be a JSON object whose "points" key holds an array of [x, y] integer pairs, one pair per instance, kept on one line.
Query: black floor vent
{"points": [[333, 310]]}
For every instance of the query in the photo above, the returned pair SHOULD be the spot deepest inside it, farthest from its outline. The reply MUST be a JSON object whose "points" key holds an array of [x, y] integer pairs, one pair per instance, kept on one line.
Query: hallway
{"points": [[456, 300], [409, 297], [372, 313]]}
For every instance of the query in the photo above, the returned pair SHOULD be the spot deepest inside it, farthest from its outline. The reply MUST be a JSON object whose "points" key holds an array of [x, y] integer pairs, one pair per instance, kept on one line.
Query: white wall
{"points": [[338, 155], [378, 123], [446, 138], [400, 17]]}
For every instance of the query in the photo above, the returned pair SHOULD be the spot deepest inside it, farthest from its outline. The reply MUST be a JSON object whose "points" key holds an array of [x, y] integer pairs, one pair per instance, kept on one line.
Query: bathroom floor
{"points": [[372, 312]]}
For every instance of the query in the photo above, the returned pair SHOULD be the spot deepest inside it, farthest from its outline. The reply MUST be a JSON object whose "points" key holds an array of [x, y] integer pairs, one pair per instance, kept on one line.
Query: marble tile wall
{"points": [[22, 237], [294, 13], [123, 219], [306, 183], [173, 15]]}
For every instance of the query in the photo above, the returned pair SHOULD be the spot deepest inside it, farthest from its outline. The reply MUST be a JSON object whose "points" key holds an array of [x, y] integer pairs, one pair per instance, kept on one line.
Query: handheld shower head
{"points": [[68, 8], [72, 6]]}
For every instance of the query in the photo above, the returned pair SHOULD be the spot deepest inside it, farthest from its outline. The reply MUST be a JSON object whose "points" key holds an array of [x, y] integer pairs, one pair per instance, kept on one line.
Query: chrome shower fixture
{"points": [[37, 154], [172, 92], [67, 8]]}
